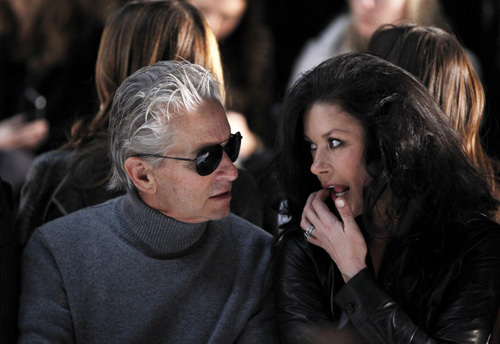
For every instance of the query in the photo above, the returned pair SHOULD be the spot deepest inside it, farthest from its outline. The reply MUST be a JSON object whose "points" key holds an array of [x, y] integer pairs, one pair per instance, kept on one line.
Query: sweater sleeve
{"points": [[44, 314], [262, 327], [468, 308]]}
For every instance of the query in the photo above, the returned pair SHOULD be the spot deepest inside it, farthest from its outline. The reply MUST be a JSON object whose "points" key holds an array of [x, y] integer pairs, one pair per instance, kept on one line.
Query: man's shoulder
{"points": [[81, 222], [247, 238], [247, 228], [246, 248]]}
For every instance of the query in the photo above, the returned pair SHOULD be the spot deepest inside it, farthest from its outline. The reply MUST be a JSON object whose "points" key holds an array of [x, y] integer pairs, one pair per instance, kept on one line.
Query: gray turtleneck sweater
{"points": [[121, 272]]}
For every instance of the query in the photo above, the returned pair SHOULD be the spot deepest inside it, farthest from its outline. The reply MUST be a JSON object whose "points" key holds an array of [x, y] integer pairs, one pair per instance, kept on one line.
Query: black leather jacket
{"points": [[49, 192], [458, 303]]}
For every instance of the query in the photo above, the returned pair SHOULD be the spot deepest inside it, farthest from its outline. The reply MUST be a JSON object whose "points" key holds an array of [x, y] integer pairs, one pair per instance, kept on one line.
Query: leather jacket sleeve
{"points": [[9, 266], [43, 177], [466, 314], [305, 280]]}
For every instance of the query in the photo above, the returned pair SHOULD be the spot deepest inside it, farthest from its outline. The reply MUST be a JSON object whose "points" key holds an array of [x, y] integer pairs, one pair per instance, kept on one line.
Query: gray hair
{"points": [[143, 107]]}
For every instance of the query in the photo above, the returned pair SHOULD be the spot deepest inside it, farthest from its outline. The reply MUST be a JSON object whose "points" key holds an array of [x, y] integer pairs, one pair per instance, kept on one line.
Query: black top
{"points": [[9, 267], [423, 293]]}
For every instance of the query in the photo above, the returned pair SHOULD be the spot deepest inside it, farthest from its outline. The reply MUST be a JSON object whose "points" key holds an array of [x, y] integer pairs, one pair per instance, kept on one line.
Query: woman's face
{"points": [[223, 16], [368, 15], [337, 143]]}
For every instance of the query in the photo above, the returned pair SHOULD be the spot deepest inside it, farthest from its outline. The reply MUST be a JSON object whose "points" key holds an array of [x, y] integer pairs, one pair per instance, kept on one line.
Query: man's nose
{"points": [[226, 169], [368, 4]]}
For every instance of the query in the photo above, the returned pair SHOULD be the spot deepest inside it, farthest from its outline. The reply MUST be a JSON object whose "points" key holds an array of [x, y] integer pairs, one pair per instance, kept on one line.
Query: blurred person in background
{"points": [[48, 52], [56, 45], [441, 63], [351, 31], [9, 267]]}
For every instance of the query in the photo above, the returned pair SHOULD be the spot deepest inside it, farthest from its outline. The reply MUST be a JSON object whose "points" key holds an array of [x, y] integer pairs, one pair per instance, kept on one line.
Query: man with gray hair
{"points": [[166, 263]]}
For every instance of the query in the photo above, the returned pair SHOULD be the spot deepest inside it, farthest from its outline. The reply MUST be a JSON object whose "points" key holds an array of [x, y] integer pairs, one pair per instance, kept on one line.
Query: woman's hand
{"points": [[16, 133], [344, 242]]}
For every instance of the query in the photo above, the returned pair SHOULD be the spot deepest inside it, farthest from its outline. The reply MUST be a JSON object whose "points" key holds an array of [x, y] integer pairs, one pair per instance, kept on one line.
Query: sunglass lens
{"points": [[208, 159], [233, 147]]}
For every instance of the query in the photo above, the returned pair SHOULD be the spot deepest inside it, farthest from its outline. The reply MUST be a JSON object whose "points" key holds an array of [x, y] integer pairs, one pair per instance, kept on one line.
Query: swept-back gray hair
{"points": [[142, 109]]}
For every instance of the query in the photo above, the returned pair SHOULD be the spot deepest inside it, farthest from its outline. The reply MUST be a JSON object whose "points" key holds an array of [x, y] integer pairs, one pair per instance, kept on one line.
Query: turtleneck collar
{"points": [[154, 233]]}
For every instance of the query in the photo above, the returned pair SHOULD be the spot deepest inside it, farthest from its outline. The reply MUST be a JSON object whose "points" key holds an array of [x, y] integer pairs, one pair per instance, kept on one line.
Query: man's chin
{"points": [[220, 213]]}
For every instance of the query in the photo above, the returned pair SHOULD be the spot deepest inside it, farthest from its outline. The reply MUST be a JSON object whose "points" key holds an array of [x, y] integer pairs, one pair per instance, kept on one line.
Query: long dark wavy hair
{"points": [[410, 147]]}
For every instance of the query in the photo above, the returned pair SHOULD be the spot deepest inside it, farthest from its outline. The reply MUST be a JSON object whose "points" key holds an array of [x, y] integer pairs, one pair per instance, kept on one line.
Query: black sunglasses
{"points": [[208, 158]]}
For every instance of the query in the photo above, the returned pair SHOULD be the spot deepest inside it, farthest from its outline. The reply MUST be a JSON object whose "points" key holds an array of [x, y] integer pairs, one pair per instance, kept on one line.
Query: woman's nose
{"points": [[320, 165]]}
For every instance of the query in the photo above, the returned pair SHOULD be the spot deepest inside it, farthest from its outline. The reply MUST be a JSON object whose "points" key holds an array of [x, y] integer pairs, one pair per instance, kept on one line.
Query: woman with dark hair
{"points": [[389, 239], [137, 35], [441, 63]]}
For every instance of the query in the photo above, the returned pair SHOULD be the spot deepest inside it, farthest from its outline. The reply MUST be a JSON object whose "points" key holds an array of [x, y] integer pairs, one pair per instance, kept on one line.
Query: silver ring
{"points": [[309, 230]]}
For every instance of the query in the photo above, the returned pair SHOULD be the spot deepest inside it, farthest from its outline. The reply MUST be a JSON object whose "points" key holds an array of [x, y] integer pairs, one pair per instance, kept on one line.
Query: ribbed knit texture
{"points": [[121, 272], [145, 228]]}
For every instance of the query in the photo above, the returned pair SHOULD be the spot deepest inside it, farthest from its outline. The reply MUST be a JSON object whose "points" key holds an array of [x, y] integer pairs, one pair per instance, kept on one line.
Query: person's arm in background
{"points": [[17, 133], [9, 267], [42, 180]]}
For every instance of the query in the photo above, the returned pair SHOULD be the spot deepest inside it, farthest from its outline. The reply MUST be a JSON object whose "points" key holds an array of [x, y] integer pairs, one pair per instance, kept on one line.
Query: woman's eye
{"points": [[312, 146], [334, 143]]}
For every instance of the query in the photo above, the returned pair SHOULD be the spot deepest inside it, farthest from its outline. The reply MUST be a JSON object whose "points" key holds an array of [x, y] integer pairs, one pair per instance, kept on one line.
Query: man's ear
{"points": [[141, 174]]}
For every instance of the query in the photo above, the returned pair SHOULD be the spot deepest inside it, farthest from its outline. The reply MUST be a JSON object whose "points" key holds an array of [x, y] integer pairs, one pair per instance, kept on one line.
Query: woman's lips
{"points": [[339, 190]]}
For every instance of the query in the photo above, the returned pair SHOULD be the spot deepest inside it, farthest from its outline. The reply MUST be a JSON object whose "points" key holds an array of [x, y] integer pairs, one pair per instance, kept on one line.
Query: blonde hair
{"points": [[424, 12], [421, 12]]}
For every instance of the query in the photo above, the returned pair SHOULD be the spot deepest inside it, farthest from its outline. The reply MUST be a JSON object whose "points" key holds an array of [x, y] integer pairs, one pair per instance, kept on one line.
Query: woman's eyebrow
{"points": [[328, 133], [335, 130]]}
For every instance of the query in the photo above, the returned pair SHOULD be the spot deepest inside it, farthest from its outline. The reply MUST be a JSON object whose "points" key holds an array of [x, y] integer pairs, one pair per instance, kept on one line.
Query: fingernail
{"points": [[340, 203]]}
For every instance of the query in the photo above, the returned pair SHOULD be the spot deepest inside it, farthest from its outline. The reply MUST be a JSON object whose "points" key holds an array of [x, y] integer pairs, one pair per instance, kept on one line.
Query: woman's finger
{"points": [[327, 217], [346, 214], [309, 216]]}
